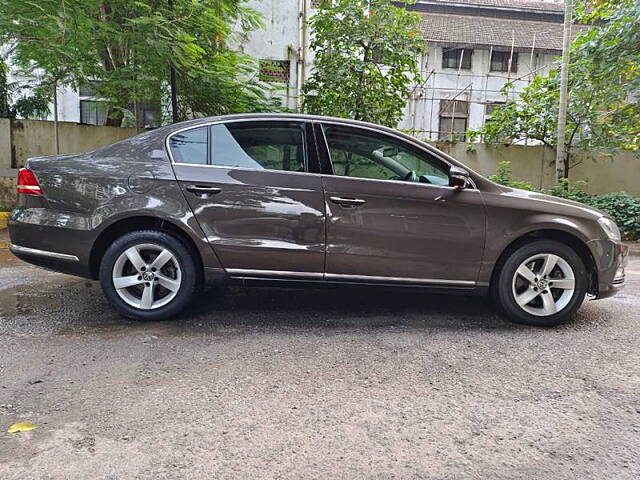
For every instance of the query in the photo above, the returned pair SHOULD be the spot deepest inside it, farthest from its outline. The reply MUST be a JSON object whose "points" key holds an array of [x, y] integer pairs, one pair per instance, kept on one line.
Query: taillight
{"points": [[27, 182]]}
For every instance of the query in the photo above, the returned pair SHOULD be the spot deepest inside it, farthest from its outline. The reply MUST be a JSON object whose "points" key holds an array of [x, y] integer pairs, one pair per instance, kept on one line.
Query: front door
{"points": [[247, 183], [392, 217]]}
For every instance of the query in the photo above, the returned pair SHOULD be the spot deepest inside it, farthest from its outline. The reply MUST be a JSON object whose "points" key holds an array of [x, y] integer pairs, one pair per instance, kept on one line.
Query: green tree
{"points": [[16, 101], [125, 47], [604, 81], [365, 60]]}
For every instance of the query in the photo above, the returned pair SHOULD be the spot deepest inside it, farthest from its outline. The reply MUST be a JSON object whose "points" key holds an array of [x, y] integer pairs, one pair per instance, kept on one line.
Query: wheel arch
{"points": [[141, 222], [572, 241]]}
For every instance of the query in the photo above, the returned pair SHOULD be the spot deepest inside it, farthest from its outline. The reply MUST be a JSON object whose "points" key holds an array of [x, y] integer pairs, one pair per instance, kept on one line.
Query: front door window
{"points": [[357, 153]]}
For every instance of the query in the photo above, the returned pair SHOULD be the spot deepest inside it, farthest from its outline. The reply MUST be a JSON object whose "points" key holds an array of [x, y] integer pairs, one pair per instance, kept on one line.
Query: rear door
{"points": [[252, 189], [392, 216]]}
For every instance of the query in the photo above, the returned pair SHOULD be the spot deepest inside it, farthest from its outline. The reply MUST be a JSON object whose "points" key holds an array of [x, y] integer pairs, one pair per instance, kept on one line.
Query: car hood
{"points": [[577, 207]]}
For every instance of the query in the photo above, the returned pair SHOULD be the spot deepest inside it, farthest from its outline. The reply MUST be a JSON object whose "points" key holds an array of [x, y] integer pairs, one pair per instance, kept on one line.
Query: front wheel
{"points": [[148, 275], [542, 283]]}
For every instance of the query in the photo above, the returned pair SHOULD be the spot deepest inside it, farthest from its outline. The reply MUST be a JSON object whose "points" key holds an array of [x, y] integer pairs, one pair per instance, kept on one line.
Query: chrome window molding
{"points": [[418, 184], [42, 253], [409, 140]]}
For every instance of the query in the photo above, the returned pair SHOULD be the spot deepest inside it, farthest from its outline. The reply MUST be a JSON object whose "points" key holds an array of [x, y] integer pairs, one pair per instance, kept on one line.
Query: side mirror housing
{"points": [[458, 178]]}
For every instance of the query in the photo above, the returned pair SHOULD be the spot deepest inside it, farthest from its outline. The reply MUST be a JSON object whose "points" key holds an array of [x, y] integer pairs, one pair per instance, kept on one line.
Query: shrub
{"points": [[504, 177], [622, 207]]}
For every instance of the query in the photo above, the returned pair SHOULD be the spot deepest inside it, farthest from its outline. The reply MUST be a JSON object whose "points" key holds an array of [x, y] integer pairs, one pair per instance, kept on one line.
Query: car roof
{"points": [[274, 116]]}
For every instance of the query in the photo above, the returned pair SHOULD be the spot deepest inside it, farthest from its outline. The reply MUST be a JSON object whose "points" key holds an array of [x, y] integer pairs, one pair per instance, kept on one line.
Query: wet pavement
{"points": [[339, 383]]}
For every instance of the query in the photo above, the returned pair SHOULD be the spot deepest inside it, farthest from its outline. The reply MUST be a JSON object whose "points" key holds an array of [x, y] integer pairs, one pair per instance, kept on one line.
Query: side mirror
{"points": [[458, 178]]}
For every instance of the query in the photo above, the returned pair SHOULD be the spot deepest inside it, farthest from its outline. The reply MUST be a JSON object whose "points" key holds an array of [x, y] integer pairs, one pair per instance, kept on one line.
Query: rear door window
{"points": [[259, 145]]}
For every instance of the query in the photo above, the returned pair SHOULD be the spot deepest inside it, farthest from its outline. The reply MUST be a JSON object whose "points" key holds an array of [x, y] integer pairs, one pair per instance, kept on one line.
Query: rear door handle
{"points": [[203, 189], [347, 202]]}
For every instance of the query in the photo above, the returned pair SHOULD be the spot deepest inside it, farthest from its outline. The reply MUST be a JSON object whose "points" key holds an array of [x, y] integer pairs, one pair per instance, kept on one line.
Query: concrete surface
{"points": [[335, 383]]}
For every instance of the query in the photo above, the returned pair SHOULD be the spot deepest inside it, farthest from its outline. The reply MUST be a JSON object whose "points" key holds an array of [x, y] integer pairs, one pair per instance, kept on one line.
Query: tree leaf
{"points": [[21, 427]]}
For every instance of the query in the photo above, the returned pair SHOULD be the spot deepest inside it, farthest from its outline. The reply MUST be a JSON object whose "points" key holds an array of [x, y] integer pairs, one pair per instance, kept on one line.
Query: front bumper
{"points": [[611, 259]]}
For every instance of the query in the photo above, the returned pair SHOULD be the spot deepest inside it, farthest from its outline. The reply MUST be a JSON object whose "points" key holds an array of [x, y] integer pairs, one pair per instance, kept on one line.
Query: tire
{"points": [[525, 296], [156, 284]]}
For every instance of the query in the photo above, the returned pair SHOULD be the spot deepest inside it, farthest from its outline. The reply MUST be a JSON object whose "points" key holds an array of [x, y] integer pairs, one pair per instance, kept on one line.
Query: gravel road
{"points": [[319, 383]]}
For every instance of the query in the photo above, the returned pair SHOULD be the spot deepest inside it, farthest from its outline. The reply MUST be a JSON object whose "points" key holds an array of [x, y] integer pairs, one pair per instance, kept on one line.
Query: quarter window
{"points": [[259, 145], [358, 153], [190, 146]]}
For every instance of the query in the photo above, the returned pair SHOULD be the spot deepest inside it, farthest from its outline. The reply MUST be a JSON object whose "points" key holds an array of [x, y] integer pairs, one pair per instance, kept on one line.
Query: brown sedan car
{"points": [[305, 200]]}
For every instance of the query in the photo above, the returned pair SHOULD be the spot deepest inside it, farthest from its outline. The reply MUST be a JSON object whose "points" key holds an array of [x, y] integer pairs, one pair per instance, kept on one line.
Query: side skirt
{"points": [[307, 279]]}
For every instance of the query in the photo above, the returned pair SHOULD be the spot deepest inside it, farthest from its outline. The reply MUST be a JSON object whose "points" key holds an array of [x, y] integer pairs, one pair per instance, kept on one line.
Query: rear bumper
{"points": [[611, 260], [46, 245], [55, 261]]}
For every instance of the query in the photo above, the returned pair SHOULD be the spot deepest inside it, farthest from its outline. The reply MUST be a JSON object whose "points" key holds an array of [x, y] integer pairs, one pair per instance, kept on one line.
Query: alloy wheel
{"points": [[543, 284], [147, 276]]}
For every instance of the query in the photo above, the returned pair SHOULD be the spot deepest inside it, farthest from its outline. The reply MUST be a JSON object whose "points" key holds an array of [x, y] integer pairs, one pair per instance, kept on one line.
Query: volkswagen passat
{"points": [[310, 200]]}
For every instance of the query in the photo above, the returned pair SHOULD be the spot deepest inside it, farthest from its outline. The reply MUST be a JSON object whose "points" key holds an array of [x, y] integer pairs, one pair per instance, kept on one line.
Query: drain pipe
{"points": [[302, 52], [56, 130]]}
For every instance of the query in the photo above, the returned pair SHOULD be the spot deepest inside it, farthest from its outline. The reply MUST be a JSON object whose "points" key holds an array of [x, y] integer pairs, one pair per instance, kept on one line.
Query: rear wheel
{"points": [[542, 283], [148, 275]]}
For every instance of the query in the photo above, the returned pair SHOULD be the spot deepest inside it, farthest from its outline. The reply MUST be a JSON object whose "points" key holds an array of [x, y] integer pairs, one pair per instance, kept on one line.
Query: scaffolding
{"points": [[447, 90]]}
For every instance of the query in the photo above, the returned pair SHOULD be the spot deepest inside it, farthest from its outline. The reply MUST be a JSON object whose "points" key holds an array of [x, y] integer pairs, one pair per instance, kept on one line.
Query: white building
{"points": [[473, 48]]}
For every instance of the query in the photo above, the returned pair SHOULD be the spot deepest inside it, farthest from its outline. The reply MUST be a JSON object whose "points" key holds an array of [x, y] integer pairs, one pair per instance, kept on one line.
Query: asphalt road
{"points": [[340, 383]]}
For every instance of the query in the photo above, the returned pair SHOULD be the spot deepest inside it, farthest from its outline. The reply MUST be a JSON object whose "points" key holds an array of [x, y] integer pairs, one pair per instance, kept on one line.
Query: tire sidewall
{"points": [[183, 257], [507, 302]]}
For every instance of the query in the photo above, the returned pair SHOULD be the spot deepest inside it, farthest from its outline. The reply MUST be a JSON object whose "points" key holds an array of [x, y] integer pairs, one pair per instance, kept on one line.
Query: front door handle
{"points": [[203, 190], [347, 201]]}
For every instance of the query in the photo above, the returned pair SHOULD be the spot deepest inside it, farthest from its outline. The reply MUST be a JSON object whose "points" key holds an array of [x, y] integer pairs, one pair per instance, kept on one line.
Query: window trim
{"points": [[305, 144], [320, 123], [399, 138]]}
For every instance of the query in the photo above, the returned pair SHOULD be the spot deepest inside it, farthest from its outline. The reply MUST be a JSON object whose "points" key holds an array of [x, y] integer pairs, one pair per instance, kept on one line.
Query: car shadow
{"points": [[342, 306], [71, 307]]}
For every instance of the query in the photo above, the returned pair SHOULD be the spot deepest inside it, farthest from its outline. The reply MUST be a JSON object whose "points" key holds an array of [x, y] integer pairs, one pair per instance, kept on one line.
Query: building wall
{"points": [[280, 39], [478, 86]]}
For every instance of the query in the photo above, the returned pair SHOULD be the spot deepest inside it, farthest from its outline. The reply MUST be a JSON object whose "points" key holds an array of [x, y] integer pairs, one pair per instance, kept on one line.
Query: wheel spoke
{"points": [[527, 274], [162, 259], [564, 283], [168, 283], [526, 297], [550, 261], [126, 282], [147, 297], [548, 303], [134, 257]]}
